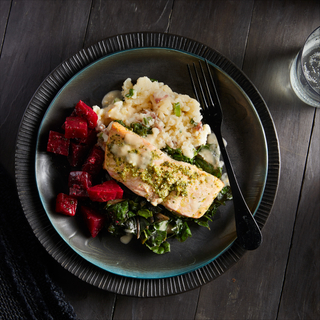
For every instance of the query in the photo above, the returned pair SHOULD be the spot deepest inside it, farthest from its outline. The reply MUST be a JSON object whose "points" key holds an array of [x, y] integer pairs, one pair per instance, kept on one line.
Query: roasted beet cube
{"points": [[80, 178], [66, 204], [75, 127], [82, 110], [106, 191], [94, 161], [79, 182], [90, 139], [58, 143], [73, 114], [77, 153], [77, 192], [94, 220]]}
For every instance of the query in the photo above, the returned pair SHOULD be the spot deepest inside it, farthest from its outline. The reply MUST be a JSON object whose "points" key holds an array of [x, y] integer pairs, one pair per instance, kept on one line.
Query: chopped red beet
{"points": [[76, 127], [93, 163], [80, 178], [83, 110], [66, 204], [79, 182], [58, 143], [106, 191], [77, 192], [94, 220], [73, 114], [90, 139], [77, 153]]}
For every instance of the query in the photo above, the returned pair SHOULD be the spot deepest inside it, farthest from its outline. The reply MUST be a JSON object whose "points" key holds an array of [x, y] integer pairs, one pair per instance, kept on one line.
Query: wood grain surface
{"points": [[4, 16], [280, 280]]}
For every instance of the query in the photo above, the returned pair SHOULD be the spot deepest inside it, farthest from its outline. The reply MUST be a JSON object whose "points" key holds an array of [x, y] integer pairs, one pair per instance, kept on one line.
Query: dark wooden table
{"points": [[280, 280]]}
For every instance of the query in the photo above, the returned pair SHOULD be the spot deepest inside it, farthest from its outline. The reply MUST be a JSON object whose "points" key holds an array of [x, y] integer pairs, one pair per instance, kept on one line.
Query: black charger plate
{"points": [[88, 75]]}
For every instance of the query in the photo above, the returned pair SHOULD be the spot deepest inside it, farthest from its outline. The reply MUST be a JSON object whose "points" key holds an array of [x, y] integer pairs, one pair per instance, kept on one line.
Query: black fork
{"points": [[248, 231]]}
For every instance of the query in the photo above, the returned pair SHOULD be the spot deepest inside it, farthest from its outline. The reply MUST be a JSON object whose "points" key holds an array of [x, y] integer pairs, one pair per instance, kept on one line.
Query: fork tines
{"points": [[205, 91]]}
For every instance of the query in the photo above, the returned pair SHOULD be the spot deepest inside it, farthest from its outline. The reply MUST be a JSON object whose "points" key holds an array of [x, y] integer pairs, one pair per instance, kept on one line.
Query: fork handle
{"points": [[248, 231]]}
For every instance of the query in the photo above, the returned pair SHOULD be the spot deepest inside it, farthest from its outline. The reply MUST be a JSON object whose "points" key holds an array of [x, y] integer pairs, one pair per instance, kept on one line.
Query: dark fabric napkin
{"points": [[26, 289]]}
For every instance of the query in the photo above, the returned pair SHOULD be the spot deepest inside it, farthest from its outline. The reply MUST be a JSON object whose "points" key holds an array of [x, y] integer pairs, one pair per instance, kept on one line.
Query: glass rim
{"points": [[301, 62]]}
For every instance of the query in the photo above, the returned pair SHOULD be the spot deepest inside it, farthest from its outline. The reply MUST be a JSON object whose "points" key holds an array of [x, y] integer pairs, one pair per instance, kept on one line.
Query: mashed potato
{"points": [[175, 119]]}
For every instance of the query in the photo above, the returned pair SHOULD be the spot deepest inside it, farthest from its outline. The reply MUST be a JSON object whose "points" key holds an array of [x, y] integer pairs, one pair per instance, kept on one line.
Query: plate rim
{"points": [[51, 240]]}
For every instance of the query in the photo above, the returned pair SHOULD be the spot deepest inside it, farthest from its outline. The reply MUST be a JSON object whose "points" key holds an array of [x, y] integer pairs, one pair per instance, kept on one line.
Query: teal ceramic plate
{"points": [[104, 261]]}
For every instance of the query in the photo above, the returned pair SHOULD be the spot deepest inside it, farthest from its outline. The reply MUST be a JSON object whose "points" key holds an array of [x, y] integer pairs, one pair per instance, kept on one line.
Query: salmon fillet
{"points": [[147, 171]]}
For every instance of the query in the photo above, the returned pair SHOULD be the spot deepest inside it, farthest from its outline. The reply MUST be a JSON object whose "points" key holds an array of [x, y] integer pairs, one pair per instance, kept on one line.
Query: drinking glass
{"points": [[305, 71]]}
